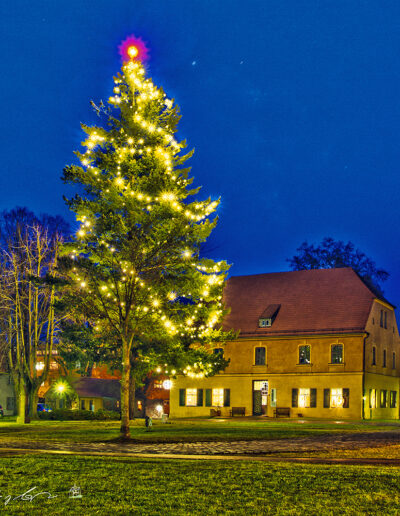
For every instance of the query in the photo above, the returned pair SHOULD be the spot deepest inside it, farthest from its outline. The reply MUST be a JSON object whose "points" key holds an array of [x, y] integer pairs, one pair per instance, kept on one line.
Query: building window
{"points": [[82, 404], [158, 384], [91, 405], [191, 397], [304, 354], [381, 321], [373, 355], [304, 398], [337, 354], [218, 397], [394, 360], [259, 357], [393, 399], [384, 358], [337, 398], [218, 351], [383, 398], [273, 398], [372, 398], [10, 404], [264, 323]]}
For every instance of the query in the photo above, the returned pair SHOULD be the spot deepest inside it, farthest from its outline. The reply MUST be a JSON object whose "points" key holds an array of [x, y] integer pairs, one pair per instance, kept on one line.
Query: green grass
{"points": [[179, 487], [179, 431]]}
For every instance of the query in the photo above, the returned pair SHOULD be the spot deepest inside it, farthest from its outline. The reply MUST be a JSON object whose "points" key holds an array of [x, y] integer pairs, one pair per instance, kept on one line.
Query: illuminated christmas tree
{"points": [[139, 281]]}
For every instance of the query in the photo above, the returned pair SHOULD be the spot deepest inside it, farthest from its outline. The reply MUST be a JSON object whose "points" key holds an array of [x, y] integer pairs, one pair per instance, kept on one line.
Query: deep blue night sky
{"points": [[293, 108]]}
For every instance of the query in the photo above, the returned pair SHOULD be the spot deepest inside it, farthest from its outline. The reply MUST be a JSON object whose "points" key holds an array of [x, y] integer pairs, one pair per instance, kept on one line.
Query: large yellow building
{"points": [[312, 343]]}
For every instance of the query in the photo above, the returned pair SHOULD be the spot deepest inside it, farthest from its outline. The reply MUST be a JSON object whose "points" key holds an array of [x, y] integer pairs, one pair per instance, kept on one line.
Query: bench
{"points": [[238, 411], [282, 412]]}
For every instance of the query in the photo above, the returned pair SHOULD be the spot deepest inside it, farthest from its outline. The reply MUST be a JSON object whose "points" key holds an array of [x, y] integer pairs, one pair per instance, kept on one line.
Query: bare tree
{"points": [[28, 283]]}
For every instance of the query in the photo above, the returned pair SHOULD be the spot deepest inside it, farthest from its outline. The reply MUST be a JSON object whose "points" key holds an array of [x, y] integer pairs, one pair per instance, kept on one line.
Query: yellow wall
{"points": [[380, 382], [98, 403], [241, 395], [283, 373]]}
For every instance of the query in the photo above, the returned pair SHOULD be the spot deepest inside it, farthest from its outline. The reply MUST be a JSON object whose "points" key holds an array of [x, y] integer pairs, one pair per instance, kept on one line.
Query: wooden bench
{"points": [[282, 412], [238, 411]]}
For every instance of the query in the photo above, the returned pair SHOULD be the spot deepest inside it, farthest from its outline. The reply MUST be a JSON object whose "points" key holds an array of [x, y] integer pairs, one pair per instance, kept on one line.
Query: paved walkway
{"points": [[296, 447]]}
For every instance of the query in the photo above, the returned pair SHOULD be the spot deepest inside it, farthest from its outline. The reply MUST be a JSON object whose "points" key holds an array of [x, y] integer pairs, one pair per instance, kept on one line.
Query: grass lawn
{"points": [[181, 430], [136, 486]]}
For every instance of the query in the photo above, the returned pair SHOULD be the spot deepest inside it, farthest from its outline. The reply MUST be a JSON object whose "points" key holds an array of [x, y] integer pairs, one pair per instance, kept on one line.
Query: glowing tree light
{"points": [[135, 267], [133, 48]]}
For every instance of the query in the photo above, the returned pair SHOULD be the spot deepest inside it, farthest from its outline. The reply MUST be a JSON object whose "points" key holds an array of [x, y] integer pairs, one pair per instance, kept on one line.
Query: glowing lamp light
{"points": [[159, 409], [167, 385], [133, 49], [60, 388]]}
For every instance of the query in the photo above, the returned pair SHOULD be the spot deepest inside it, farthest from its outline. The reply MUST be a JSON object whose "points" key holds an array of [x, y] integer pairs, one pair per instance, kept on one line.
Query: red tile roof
{"points": [[96, 388], [312, 301]]}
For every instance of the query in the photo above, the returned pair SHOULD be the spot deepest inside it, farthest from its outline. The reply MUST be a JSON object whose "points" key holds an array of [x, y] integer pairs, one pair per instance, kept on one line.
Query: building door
{"points": [[260, 397]]}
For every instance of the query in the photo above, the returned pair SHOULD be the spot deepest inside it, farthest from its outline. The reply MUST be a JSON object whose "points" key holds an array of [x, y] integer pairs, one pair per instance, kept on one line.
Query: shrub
{"points": [[78, 415]]}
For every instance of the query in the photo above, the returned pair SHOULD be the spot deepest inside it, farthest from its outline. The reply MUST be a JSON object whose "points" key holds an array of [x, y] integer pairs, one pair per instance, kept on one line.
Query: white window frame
{"points": [[191, 397]]}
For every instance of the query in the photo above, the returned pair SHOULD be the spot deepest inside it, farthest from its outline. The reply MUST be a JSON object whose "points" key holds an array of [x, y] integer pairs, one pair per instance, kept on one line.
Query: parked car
{"points": [[42, 407], [1, 411]]}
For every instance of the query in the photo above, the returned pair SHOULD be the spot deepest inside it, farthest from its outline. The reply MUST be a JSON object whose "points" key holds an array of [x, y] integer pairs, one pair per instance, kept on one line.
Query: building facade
{"points": [[313, 343]]}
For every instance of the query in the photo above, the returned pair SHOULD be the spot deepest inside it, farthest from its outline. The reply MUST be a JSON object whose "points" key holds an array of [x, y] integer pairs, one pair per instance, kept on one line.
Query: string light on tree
{"points": [[142, 225]]}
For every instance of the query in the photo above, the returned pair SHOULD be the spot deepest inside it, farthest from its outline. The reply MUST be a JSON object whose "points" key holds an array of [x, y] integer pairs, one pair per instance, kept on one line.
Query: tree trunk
{"points": [[132, 387], [126, 369], [32, 403], [21, 404]]}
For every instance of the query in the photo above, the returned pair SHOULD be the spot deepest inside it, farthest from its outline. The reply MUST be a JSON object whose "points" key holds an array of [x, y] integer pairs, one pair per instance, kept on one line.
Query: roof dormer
{"points": [[268, 316]]}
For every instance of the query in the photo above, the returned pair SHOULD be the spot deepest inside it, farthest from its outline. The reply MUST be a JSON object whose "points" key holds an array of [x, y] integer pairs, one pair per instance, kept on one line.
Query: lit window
{"points": [[304, 354], [39, 366], [259, 358], [218, 397], [139, 405], [373, 355], [393, 399], [337, 354], [304, 398], [383, 398], [264, 323], [337, 398], [191, 397], [158, 384], [372, 398]]}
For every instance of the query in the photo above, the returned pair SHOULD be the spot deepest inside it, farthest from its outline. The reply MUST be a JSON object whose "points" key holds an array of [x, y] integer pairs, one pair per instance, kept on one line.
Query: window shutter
{"points": [[182, 396], [273, 397], [327, 398], [295, 397], [227, 397], [346, 398], [313, 398], [208, 397], [199, 397]]}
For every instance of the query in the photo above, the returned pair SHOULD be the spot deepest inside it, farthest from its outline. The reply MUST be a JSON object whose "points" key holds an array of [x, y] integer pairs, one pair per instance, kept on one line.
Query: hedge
{"points": [[79, 415]]}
